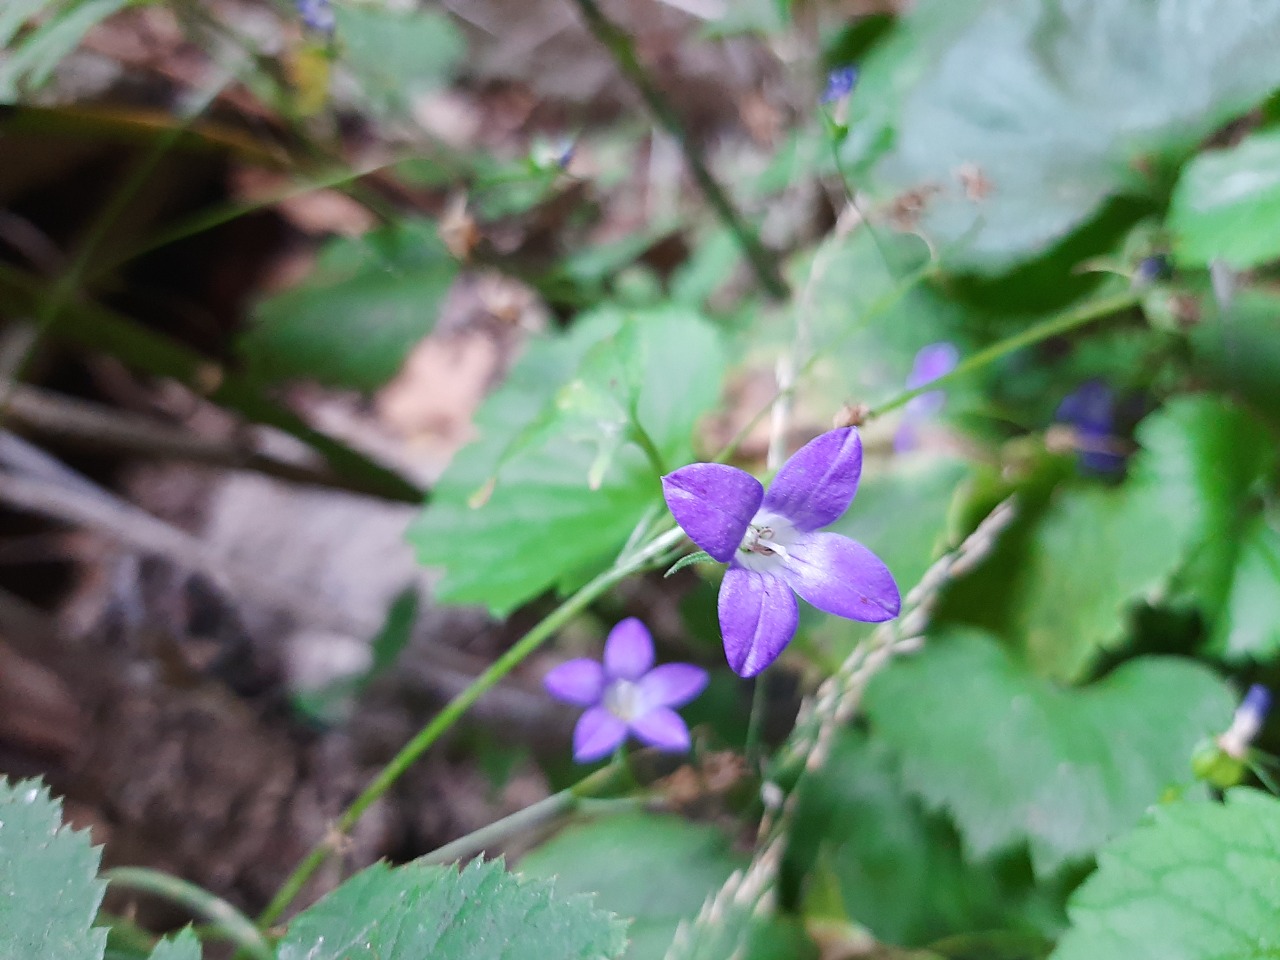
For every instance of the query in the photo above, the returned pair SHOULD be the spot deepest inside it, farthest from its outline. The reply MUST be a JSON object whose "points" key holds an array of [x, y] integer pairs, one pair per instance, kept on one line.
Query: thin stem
{"points": [[763, 264], [1063, 323], [754, 722], [645, 442], [575, 799], [459, 705], [238, 928]]}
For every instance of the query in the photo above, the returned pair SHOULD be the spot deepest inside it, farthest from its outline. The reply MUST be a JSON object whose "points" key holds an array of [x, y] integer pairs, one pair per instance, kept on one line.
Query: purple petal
{"points": [[713, 503], [758, 617], [841, 576], [932, 362], [817, 484], [672, 684], [628, 653], [580, 682], [662, 728], [597, 735]]}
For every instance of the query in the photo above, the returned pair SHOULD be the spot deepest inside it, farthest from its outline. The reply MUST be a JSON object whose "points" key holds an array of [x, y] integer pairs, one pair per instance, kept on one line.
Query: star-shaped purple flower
{"points": [[774, 547], [626, 693]]}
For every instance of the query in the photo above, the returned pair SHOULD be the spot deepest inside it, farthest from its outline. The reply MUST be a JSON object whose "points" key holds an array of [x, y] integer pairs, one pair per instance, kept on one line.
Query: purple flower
{"points": [[840, 83], [626, 693], [316, 14], [931, 363], [1091, 410], [774, 549]]}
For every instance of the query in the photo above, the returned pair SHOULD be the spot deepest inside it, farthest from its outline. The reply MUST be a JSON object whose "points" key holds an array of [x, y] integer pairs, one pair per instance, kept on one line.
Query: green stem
{"points": [[755, 720], [616, 41], [575, 799], [237, 927], [1055, 326], [459, 705], [645, 442]]}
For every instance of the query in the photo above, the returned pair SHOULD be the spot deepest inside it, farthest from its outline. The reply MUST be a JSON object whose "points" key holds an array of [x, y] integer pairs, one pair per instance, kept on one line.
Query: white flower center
{"points": [[766, 544], [622, 698]]}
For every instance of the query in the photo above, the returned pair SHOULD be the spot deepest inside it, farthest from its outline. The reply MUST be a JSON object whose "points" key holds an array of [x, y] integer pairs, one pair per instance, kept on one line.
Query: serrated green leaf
{"points": [[1248, 625], [185, 946], [516, 513], [353, 322], [1097, 550], [49, 891], [680, 863], [396, 54], [1015, 758], [900, 871], [1017, 145], [1227, 203], [1197, 881], [479, 913]]}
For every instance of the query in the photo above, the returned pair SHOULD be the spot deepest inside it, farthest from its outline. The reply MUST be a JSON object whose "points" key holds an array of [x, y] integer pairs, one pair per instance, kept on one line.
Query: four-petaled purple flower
{"points": [[931, 363], [774, 549], [626, 693], [840, 83]]}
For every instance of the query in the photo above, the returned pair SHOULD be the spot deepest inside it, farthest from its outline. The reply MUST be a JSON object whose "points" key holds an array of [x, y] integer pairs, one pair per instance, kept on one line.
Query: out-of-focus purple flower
{"points": [[840, 83], [774, 549], [1247, 722], [931, 363], [626, 693], [1091, 411], [316, 14]]}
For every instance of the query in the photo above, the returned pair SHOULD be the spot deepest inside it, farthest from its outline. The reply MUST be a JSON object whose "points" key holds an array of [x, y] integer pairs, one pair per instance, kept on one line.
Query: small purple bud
{"points": [[840, 83], [930, 364], [1257, 702], [1247, 722], [1151, 269]]}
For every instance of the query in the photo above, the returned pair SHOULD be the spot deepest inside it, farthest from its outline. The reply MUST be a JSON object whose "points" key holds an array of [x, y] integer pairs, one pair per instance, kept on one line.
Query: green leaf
{"points": [[1247, 625], [548, 491], [1015, 758], [49, 891], [900, 871], [479, 913], [1226, 204], [1017, 145], [1197, 881], [396, 54], [698, 556], [185, 946], [680, 864], [1096, 550], [353, 322]]}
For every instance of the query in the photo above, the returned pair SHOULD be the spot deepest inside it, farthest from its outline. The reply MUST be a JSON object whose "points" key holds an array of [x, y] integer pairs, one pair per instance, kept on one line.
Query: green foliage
{"points": [[999, 94], [354, 320], [30, 59], [49, 891], [479, 913], [397, 53], [185, 946], [1094, 551], [1014, 758], [900, 871], [1227, 202], [548, 490], [655, 869], [1196, 881], [1247, 625]]}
